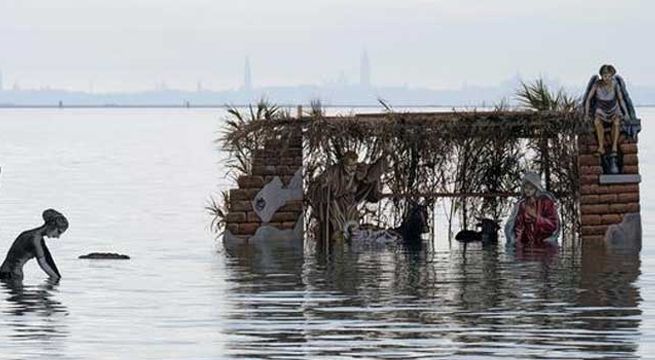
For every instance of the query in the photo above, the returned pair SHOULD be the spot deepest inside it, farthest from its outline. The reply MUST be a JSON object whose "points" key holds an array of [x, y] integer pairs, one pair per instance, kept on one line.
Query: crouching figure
{"points": [[534, 221], [31, 244]]}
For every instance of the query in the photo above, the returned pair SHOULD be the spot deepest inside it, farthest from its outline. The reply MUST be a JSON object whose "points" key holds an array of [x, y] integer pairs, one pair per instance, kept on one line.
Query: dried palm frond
{"points": [[537, 96], [218, 209], [242, 134]]}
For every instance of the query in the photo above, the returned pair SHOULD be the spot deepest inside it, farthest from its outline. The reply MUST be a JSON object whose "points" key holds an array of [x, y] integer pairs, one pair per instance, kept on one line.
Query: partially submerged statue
{"points": [[104, 256], [534, 221], [337, 192], [608, 104], [415, 223], [487, 235], [31, 244]]}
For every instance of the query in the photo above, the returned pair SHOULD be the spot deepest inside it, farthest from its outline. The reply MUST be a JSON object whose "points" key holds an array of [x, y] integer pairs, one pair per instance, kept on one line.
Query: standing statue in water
{"points": [[336, 193], [608, 104], [534, 221], [31, 244]]}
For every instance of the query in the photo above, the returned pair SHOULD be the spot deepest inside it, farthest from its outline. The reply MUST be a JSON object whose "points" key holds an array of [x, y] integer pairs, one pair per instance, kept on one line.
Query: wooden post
{"points": [[545, 161]]}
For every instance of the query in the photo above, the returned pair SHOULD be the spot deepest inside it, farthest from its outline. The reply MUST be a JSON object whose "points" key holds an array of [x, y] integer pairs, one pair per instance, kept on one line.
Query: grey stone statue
{"points": [[336, 193]]}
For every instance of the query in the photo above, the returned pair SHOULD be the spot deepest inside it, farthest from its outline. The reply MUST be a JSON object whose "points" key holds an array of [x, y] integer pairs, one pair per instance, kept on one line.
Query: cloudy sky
{"points": [[133, 44]]}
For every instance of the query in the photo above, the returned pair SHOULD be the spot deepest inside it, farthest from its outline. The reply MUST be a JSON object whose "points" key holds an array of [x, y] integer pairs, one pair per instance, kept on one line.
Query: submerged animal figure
{"points": [[488, 233], [104, 256], [414, 224]]}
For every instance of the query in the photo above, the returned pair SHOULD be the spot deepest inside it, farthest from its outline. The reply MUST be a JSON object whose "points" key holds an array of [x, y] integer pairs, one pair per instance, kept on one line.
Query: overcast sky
{"points": [[133, 44]]}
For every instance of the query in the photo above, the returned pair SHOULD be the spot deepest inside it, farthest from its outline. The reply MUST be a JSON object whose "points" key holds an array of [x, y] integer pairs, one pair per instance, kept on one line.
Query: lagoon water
{"points": [[136, 181]]}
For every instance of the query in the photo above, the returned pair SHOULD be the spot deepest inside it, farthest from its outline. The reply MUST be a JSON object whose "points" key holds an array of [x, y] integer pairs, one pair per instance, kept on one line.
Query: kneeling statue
{"points": [[31, 244], [534, 221]]}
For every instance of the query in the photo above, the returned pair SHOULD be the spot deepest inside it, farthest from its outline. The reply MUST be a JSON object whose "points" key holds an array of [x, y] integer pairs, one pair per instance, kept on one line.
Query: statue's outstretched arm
{"points": [[45, 260], [376, 169], [548, 219]]}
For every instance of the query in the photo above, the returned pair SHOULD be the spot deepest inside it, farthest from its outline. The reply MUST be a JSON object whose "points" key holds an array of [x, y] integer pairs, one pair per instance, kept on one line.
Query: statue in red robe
{"points": [[534, 221]]}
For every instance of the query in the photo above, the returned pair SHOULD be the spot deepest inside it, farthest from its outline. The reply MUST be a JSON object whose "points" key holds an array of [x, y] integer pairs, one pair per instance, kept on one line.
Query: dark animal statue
{"points": [[488, 233], [104, 256], [415, 223]]}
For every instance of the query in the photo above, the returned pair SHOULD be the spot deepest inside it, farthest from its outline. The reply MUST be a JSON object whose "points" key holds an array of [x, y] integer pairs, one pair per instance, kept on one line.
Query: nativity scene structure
{"points": [[375, 177]]}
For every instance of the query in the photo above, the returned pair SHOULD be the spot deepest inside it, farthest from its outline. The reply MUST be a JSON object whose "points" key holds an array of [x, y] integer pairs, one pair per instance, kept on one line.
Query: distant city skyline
{"points": [[123, 46], [342, 91], [248, 83], [337, 93], [362, 78]]}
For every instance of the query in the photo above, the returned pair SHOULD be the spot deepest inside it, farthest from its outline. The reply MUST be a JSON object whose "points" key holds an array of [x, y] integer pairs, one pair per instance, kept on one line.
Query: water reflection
{"points": [[608, 301], [32, 309], [401, 304]]}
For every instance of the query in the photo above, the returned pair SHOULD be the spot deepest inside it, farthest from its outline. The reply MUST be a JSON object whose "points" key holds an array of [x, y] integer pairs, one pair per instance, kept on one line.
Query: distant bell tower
{"points": [[364, 70], [247, 75], [1, 84]]}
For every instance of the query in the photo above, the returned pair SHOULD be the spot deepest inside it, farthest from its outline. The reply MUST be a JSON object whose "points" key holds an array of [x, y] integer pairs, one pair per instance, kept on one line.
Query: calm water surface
{"points": [[137, 181]]}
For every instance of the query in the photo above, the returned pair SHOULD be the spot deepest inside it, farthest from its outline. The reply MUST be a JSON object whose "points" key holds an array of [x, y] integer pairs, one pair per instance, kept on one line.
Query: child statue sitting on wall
{"points": [[607, 103]]}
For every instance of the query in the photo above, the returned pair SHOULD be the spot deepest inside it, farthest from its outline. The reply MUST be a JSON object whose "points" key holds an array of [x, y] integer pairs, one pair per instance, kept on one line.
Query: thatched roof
{"points": [[465, 153], [458, 124]]}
